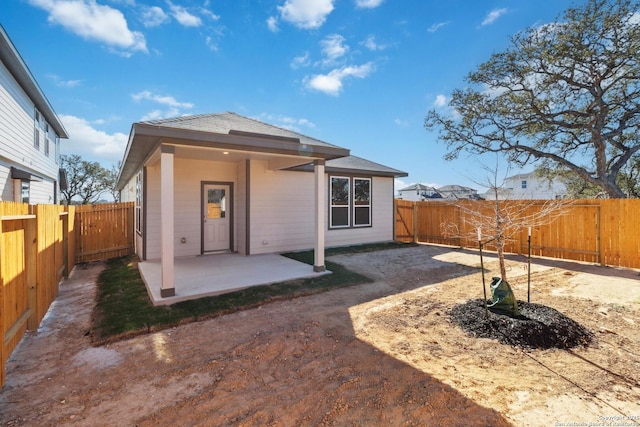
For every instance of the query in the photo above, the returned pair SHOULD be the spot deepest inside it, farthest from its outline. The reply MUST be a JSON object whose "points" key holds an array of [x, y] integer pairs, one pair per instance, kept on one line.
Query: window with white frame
{"points": [[524, 184], [36, 129], [138, 203], [361, 202], [56, 142], [46, 140], [350, 202], [25, 190], [340, 206]]}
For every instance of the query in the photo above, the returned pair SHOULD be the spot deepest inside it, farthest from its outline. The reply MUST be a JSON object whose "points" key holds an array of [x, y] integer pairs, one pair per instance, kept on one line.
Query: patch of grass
{"points": [[123, 308]]}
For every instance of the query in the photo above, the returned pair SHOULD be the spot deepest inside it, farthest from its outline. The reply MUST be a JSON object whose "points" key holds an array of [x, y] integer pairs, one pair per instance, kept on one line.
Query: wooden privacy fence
{"points": [[39, 245], [104, 231], [602, 231]]}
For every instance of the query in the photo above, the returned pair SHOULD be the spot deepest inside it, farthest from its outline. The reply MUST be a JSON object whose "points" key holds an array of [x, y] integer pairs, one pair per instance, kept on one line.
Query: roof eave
{"points": [[18, 68], [136, 154]]}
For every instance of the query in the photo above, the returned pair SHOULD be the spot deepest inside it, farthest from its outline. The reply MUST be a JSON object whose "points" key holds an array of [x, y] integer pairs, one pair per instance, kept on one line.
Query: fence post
{"points": [[31, 256], [415, 222], [599, 234], [65, 243]]}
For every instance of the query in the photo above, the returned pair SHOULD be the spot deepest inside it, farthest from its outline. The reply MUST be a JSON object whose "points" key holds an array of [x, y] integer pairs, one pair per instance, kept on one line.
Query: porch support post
{"points": [[167, 287], [321, 211]]}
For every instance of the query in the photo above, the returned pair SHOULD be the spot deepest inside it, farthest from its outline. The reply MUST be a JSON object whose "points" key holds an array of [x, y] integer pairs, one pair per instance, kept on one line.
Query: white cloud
{"points": [[435, 27], [440, 101], [307, 14], [93, 21], [90, 143], [371, 44], [401, 122], [272, 24], [211, 44], [165, 100], [300, 61], [211, 15], [333, 47], [64, 83], [286, 122], [174, 108], [331, 83], [368, 4], [154, 16], [183, 16], [493, 15], [160, 114], [398, 184]]}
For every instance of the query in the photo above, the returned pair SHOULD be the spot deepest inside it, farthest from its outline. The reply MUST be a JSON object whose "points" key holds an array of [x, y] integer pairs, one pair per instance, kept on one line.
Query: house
{"points": [[30, 133], [224, 183], [529, 186], [418, 192], [458, 192]]}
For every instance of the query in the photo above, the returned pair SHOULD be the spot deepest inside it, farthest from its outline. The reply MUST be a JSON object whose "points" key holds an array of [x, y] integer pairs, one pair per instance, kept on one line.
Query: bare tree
{"points": [[499, 220]]}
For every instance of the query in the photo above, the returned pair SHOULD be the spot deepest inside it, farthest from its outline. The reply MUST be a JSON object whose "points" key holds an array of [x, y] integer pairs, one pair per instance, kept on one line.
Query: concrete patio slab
{"points": [[208, 275]]}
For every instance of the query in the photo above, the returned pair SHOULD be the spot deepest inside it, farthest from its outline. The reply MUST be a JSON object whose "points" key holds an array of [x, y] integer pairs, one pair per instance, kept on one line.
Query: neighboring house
{"points": [[529, 186], [30, 133], [220, 183], [418, 192], [458, 192]]}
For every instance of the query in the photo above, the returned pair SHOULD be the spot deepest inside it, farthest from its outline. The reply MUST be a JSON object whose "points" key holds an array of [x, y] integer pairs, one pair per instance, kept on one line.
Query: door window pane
{"points": [[216, 203]]}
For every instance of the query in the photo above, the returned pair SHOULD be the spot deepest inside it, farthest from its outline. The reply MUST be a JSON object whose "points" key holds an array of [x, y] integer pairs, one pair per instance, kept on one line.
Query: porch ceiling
{"points": [[275, 161]]}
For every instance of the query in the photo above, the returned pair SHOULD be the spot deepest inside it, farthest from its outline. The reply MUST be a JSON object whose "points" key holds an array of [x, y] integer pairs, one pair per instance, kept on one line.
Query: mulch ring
{"points": [[537, 326]]}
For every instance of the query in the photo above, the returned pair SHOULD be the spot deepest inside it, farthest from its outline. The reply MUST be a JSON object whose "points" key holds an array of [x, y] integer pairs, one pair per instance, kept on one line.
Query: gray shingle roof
{"points": [[223, 123], [354, 163]]}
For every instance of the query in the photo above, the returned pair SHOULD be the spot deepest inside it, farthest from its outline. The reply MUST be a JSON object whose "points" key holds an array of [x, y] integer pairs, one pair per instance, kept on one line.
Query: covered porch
{"points": [[209, 275]]}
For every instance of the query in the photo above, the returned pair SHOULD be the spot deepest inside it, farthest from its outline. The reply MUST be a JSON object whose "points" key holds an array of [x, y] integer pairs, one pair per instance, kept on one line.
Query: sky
{"points": [[361, 74]]}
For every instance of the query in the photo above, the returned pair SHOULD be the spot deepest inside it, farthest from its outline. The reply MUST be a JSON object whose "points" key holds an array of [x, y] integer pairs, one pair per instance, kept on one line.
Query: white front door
{"points": [[216, 223]]}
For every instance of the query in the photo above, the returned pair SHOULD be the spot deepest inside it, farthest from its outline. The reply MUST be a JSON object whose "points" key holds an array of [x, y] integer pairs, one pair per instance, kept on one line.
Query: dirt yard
{"points": [[384, 353]]}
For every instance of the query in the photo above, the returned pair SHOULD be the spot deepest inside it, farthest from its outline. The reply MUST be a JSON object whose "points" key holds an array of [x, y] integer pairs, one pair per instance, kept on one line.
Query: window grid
{"points": [[349, 202], [362, 202], [340, 198]]}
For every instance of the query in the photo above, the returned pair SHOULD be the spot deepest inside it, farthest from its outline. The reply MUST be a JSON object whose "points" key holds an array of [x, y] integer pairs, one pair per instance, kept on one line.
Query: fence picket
{"points": [[39, 244], [596, 231]]}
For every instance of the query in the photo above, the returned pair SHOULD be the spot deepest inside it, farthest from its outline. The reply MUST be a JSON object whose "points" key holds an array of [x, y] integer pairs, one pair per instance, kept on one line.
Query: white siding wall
{"points": [[16, 140], [282, 212], [410, 195], [282, 208], [128, 194], [240, 214], [537, 188], [6, 184], [188, 176]]}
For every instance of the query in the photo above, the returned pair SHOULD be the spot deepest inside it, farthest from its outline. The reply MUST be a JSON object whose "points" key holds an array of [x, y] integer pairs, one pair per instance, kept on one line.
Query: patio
{"points": [[208, 275]]}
